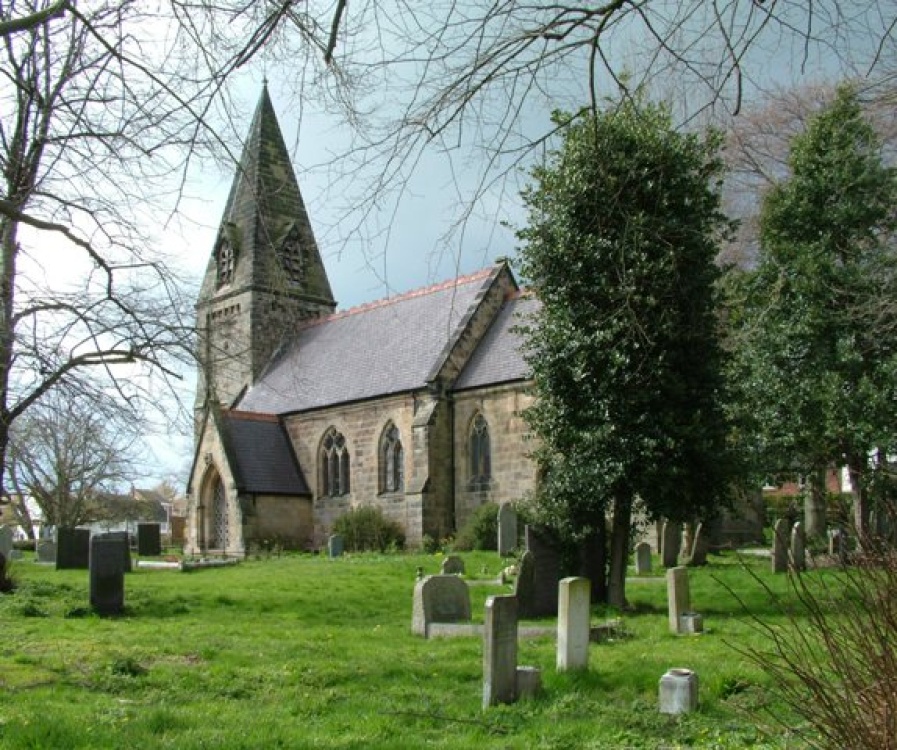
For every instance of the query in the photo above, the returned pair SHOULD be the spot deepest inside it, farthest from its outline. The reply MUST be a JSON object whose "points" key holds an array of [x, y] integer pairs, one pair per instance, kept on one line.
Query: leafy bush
{"points": [[366, 528], [480, 531]]}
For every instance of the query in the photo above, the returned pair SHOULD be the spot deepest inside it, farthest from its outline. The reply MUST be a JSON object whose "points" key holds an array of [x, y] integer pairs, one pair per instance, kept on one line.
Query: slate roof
{"points": [[383, 348], [499, 358], [261, 455]]}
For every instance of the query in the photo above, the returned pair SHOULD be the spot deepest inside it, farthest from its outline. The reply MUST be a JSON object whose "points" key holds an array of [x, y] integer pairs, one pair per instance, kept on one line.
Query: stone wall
{"points": [[362, 425], [273, 519], [513, 472]]}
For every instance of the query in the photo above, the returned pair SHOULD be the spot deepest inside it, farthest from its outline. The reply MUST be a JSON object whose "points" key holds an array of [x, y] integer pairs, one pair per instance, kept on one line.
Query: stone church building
{"points": [[411, 403]]}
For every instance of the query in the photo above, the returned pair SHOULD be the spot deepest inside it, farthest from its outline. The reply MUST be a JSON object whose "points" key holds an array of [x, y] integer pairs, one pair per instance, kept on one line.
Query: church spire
{"points": [[265, 274]]}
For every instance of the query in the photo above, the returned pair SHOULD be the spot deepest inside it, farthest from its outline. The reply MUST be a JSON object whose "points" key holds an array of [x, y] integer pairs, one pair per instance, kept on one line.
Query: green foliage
{"points": [[366, 529], [481, 530], [813, 326], [624, 221]]}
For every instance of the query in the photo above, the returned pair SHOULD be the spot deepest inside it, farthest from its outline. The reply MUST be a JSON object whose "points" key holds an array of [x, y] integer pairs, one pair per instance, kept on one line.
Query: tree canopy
{"points": [[624, 224]]}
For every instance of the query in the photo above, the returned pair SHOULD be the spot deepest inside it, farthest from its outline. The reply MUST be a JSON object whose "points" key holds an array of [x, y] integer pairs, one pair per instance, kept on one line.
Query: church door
{"points": [[219, 517]]}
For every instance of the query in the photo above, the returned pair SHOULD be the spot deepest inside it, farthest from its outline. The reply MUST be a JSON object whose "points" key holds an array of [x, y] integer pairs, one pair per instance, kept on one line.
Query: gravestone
{"points": [[524, 586], [439, 599], [72, 549], [546, 566], [6, 536], [452, 566], [46, 551], [837, 544], [672, 543], [335, 545], [678, 691], [573, 624], [149, 539], [798, 548], [678, 597], [780, 544], [125, 539], [507, 529], [107, 574], [500, 651], [699, 547], [643, 558]]}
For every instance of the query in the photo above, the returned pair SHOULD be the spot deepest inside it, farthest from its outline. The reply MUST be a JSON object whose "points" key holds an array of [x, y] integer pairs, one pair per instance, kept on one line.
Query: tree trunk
{"points": [[815, 505], [619, 551]]}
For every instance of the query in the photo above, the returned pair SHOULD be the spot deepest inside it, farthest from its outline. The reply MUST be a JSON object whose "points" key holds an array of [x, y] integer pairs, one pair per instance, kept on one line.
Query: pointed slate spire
{"points": [[265, 275], [265, 239]]}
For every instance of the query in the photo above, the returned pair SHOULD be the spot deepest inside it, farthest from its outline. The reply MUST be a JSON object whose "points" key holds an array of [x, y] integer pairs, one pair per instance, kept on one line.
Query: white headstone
{"points": [[573, 624]]}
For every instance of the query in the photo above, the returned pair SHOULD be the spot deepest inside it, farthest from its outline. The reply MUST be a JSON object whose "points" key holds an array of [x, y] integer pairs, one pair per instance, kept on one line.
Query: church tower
{"points": [[265, 275]]}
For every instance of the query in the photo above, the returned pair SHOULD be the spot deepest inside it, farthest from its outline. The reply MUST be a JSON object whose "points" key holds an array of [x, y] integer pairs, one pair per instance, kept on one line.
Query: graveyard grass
{"points": [[308, 652]]}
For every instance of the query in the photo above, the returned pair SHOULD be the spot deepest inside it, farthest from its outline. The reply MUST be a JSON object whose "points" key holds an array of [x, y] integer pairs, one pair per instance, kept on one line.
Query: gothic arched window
{"points": [[225, 260], [292, 257], [392, 460], [479, 452], [334, 465]]}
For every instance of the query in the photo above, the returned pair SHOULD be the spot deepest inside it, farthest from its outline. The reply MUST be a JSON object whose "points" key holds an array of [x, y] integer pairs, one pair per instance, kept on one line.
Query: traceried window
{"points": [[225, 261], [334, 465], [292, 256], [392, 460], [480, 452]]}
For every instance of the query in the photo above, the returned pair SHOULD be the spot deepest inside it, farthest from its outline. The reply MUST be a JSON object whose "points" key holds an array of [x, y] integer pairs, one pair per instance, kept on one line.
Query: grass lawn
{"points": [[308, 652]]}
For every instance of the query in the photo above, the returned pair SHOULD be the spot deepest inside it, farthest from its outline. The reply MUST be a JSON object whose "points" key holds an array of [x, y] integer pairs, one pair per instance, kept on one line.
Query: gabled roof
{"points": [[261, 455], [499, 356], [387, 347]]}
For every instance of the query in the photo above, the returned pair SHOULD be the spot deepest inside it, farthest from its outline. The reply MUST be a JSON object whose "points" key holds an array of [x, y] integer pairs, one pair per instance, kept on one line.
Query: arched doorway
{"points": [[216, 522]]}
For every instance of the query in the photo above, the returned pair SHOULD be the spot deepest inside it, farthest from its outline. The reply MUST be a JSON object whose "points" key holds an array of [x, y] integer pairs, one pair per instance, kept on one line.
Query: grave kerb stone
{"points": [[573, 624], [500, 651]]}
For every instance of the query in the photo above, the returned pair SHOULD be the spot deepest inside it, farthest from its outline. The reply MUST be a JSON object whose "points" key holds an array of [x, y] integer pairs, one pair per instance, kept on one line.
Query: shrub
{"points": [[480, 531], [366, 528]]}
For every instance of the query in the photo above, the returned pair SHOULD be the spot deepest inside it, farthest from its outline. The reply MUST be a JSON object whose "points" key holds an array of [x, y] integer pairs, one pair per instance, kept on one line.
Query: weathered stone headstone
{"points": [[545, 577], [6, 536], [672, 543], [507, 529], [500, 651], [837, 543], [699, 548], [46, 551], [529, 682], [573, 624], [678, 691], [15, 554], [452, 565], [780, 544], [125, 539], [107, 575], [335, 545], [524, 587], [149, 539], [798, 548], [642, 558], [439, 599], [678, 596], [72, 549]]}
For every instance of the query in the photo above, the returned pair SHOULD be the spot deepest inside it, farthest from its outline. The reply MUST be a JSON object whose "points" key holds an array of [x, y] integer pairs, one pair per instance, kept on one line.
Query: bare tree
{"points": [[98, 119], [66, 454]]}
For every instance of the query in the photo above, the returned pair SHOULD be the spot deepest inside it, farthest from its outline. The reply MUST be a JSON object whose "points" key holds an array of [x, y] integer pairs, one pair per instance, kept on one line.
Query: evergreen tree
{"points": [[815, 365], [623, 226]]}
